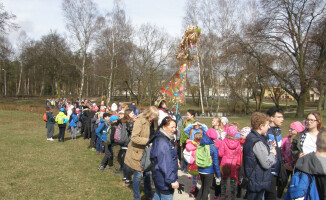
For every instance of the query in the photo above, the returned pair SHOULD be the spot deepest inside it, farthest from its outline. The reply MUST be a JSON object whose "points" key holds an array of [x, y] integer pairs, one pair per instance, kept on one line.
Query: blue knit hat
{"points": [[62, 109], [113, 118]]}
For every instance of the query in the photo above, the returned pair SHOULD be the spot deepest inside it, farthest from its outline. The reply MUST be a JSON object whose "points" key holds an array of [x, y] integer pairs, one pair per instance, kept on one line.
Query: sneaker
{"points": [[101, 168], [191, 195], [51, 139], [124, 179], [127, 182], [107, 167], [48, 139], [93, 149]]}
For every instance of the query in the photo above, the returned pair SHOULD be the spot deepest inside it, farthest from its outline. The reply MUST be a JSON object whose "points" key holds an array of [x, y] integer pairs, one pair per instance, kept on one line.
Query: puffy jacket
{"points": [[184, 136], [296, 147], [61, 123], [191, 146], [165, 155], [215, 167], [192, 136], [101, 131], [316, 166], [73, 120], [230, 151], [286, 151], [276, 168], [260, 178]]}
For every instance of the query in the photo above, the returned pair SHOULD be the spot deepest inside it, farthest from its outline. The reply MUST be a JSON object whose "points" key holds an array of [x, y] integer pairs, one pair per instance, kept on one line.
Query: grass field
{"points": [[33, 168]]}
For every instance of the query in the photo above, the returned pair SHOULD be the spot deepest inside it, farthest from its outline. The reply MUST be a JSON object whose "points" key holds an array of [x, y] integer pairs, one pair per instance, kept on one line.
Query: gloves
{"points": [[181, 188]]}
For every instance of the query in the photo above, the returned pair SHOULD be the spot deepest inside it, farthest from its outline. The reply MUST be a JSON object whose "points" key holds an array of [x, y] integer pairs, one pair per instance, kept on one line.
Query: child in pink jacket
{"points": [[229, 151], [191, 146]]}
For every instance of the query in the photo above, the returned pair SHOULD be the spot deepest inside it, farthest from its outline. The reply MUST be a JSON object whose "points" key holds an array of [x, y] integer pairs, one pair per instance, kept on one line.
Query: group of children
{"points": [[257, 153]]}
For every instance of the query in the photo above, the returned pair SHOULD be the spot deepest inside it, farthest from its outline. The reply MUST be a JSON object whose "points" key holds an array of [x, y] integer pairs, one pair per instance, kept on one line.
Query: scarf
{"points": [[171, 137]]}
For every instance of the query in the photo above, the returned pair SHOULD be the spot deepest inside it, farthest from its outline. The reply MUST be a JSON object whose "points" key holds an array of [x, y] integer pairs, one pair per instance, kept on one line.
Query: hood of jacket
{"points": [[312, 164], [231, 142], [106, 122], [61, 114], [191, 145], [206, 140]]}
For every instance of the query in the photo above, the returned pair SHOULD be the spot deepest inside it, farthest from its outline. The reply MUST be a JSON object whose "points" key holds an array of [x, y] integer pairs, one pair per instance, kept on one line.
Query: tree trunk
{"points": [[199, 79], [301, 104], [20, 79], [321, 99], [82, 76]]}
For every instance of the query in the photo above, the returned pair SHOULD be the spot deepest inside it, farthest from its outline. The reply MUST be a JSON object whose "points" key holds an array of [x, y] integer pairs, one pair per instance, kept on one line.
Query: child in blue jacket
{"points": [[207, 174]]}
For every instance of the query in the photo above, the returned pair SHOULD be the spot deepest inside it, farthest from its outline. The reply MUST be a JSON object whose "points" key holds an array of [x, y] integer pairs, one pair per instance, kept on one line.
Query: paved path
{"points": [[184, 179]]}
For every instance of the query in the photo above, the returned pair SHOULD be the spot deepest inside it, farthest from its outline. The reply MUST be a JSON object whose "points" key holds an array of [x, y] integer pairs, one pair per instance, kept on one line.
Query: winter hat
{"points": [[245, 131], [225, 120], [121, 112], [211, 133], [62, 109], [114, 107], [77, 110], [297, 126], [113, 118], [232, 131]]}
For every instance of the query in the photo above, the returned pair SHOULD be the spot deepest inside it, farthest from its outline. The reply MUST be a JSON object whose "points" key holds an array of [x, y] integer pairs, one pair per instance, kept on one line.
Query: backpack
{"points": [[203, 156], [187, 155], [302, 186], [121, 135], [145, 161], [45, 118]]}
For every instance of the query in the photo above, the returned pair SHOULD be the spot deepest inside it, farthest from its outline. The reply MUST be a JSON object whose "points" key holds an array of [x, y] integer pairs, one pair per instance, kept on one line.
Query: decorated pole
{"points": [[174, 89]]}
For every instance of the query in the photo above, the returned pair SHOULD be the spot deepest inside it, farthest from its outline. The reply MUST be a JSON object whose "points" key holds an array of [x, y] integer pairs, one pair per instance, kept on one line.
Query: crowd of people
{"points": [[221, 156]]}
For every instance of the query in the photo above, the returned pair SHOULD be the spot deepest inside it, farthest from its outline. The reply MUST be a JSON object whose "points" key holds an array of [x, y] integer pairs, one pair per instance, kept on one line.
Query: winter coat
{"points": [[260, 179], [316, 166], [215, 167], [184, 136], [230, 152], [187, 130], [49, 116], [296, 147], [277, 166], [286, 151], [139, 137], [73, 120], [165, 155], [64, 117], [191, 146], [102, 129]]}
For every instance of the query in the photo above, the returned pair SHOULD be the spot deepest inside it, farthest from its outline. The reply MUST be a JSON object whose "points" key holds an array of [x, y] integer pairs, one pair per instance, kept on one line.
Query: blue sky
{"points": [[38, 17]]}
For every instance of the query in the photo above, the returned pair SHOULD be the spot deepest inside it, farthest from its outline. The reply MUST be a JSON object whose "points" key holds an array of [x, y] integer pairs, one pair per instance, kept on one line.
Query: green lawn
{"points": [[33, 168]]}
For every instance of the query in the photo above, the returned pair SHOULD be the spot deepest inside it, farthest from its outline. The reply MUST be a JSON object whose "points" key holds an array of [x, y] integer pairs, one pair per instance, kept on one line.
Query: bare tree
{"points": [[82, 22], [285, 26]]}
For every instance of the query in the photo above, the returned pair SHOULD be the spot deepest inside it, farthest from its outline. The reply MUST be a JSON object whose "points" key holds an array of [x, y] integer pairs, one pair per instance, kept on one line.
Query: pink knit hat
{"points": [[211, 133], [297, 126], [232, 131], [245, 131]]}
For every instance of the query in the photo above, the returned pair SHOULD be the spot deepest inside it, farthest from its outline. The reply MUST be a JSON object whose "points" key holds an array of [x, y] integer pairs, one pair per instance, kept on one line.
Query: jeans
{"points": [[147, 184], [255, 195], [73, 132], [206, 182], [49, 130], [162, 196], [99, 144]]}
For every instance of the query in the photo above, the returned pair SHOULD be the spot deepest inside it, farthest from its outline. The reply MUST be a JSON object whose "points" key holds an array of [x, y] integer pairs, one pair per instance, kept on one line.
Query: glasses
{"points": [[311, 120]]}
